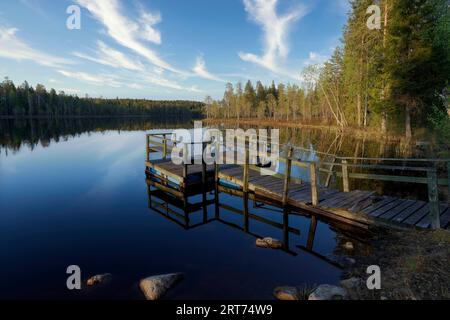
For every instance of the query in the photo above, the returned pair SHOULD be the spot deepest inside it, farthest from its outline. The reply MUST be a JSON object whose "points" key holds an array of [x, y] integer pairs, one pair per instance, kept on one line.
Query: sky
{"points": [[165, 49]]}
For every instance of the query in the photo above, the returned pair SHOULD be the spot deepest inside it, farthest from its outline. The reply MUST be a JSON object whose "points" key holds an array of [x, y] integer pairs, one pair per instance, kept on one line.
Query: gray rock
{"points": [[328, 292], [343, 261], [98, 279], [351, 283], [269, 243], [155, 287], [286, 293], [348, 246]]}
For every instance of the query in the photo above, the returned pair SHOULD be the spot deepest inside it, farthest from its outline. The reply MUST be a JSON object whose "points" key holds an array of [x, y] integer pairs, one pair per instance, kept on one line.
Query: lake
{"points": [[73, 192]]}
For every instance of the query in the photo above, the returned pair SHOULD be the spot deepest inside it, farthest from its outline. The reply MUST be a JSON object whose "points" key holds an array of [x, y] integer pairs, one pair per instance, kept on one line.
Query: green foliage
{"points": [[24, 101], [440, 122]]}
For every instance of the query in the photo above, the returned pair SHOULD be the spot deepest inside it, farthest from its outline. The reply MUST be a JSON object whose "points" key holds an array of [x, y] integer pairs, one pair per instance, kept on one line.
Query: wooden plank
{"points": [[409, 211], [378, 204], [361, 197], [445, 218], [350, 196], [418, 215], [339, 197], [426, 220], [384, 209], [394, 212]]}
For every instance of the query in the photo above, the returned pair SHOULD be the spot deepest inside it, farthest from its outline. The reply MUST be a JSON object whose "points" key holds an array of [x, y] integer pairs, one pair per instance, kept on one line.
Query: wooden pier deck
{"points": [[364, 207], [357, 208]]}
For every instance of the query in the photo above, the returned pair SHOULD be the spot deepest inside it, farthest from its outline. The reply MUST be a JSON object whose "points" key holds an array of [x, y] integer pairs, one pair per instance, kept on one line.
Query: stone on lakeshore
{"points": [[155, 287], [328, 292], [343, 261], [269, 243], [286, 293], [98, 279], [351, 283], [348, 246]]}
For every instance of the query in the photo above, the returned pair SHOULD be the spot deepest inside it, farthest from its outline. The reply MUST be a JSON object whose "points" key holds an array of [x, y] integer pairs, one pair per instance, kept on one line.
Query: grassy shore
{"points": [[370, 133], [415, 265]]}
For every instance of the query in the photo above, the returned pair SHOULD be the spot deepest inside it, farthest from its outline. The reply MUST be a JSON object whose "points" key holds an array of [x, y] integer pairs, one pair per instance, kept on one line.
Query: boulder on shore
{"points": [[286, 293], [98, 279], [155, 287], [351, 283], [269, 243], [328, 292]]}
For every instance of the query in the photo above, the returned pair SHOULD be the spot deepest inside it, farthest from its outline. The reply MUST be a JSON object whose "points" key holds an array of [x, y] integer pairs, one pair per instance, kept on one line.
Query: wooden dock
{"points": [[357, 208]]}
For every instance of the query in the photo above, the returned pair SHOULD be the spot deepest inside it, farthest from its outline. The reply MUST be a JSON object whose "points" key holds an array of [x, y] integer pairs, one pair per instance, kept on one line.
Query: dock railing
{"points": [[428, 168]]}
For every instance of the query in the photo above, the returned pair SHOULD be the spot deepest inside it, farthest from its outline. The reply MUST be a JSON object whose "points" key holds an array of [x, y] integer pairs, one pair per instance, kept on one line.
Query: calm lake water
{"points": [[73, 192]]}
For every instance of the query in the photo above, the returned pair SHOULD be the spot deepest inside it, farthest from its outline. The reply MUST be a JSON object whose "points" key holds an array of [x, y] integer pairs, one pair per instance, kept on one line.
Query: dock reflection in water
{"points": [[197, 212]]}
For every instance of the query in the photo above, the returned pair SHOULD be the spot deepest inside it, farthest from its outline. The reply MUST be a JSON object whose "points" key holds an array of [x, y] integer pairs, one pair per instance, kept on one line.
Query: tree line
{"points": [[26, 101], [395, 77]]}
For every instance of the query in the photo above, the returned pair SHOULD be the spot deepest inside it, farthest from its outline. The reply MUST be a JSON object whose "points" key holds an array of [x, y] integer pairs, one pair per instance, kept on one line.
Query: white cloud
{"points": [[91, 78], [200, 70], [126, 32], [108, 56], [275, 28], [315, 58], [12, 47], [148, 20]]}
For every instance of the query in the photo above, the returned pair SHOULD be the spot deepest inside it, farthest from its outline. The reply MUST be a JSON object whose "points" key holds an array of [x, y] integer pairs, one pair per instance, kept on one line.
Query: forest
{"points": [[26, 101], [392, 78]]}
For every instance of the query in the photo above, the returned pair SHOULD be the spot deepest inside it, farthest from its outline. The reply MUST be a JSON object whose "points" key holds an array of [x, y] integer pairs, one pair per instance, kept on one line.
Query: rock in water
{"points": [[156, 286], [98, 279], [328, 292], [351, 283], [286, 293], [269, 243], [348, 246]]}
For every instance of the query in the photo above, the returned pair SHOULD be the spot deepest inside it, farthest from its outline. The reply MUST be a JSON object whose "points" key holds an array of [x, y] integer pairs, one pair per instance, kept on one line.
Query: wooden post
{"points": [[245, 186], [216, 180], [147, 139], [345, 177], [246, 170], [165, 146], [314, 182], [149, 193], [448, 180], [312, 233], [287, 177], [185, 161], [204, 185], [433, 199]]}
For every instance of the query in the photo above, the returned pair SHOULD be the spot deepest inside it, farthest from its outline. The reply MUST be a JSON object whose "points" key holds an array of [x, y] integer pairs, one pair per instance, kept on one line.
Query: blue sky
{"points": [[165, 49]]}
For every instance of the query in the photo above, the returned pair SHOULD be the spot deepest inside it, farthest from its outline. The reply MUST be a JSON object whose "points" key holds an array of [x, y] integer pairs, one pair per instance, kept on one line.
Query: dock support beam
{"points": [[345, 177], [245, 186], [148, 147], [448, 180], [433, 199], [314, 184], [216, 180], [164, 146]]}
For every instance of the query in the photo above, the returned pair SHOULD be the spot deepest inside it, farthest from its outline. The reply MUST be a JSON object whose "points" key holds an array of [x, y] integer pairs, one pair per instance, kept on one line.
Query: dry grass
{"points": [[415, 265]]}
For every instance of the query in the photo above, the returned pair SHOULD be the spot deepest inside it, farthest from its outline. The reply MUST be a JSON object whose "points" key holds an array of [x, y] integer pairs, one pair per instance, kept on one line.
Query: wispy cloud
{"points": [[275, 28], [200, 70], [128, 33], [96, 79], [110, 57], [12, 47]]}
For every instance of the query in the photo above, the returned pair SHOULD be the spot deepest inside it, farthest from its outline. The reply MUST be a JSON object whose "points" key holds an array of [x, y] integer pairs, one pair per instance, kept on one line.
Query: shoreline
{"points": [[358, 132]]}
